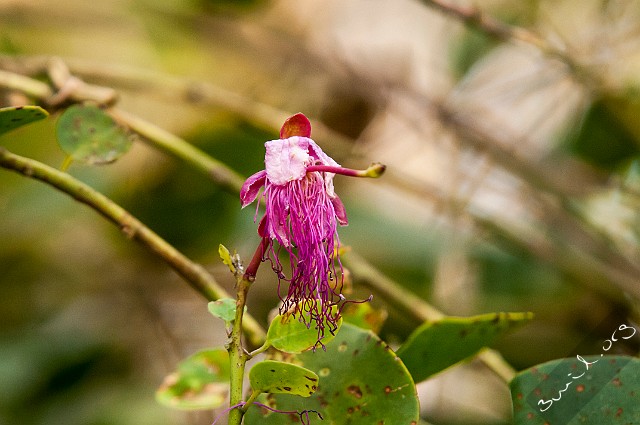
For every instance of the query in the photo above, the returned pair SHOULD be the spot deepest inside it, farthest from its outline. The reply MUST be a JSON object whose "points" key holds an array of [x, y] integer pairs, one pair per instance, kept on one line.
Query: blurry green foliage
{"points": [[8, 45], [469, 48], [200, 382], [45, 372], [602, 139], [503, 273], [229, 6]]}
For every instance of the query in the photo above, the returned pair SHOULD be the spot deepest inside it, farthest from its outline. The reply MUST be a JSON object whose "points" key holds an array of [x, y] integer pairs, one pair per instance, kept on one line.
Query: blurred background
{"points": [[512, 184]]}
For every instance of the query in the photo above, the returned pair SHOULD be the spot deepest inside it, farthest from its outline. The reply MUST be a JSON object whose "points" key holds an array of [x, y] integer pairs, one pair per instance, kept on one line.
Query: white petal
{"points": [[287, 159]]}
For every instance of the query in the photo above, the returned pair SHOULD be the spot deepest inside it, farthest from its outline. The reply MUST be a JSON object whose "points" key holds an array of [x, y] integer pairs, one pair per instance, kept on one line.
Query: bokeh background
{"points": [[513, 182]]}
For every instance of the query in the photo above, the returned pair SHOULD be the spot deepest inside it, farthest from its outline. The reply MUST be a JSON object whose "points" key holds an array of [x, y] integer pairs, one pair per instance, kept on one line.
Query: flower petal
{"points": [[296, 125], [251, 187], [341, 212], [324, 159], [287, 159]]}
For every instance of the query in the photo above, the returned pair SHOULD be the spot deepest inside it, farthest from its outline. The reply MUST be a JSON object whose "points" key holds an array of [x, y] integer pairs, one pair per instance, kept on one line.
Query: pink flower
{"points": [[302, 216]]}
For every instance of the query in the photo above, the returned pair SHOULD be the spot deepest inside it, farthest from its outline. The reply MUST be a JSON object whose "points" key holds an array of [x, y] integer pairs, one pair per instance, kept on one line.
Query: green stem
{"points": [[193, 273], [258, 350], [254, 395], [29, 86], [237, 355]]}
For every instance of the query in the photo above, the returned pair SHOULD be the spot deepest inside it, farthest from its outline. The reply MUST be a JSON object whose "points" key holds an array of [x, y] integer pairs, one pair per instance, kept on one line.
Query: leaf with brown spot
{"points": [[275, 377], [89, 135], [607, 393], [351, 388]]}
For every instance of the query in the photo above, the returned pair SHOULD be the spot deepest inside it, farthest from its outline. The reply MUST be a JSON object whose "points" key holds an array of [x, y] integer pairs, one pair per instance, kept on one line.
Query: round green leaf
{"points": [[17, 116], [224, 308], [200, 382], [435, 346], [362, 382], [608, 392], [87, 134], [289, 334], [274, 377]]}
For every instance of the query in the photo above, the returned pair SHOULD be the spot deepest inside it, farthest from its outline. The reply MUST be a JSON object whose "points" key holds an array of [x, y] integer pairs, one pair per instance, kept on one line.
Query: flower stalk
{"points": [[237, 355], [258, 256]]}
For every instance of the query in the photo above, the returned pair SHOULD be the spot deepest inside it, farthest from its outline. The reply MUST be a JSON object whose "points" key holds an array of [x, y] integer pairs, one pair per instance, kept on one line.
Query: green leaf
{"points": [[274, 377], [435, 346], [362, 382], [17, 116], [224, 308], [88, 135], [201, 382], [287, 333], [226, 257], [607, 393]]}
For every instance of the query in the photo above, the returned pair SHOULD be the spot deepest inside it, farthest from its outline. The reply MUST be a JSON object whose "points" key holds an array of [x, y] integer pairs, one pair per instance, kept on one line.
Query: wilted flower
{"points": [[302, 215]]}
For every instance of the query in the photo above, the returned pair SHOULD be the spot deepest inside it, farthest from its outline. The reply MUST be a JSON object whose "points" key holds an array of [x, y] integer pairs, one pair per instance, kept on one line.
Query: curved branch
{"points": [[193, 273]]}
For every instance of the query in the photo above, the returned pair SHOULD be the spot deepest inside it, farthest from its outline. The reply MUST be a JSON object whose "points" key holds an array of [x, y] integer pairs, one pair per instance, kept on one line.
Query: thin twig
{"points": [[193, 273], [29, 86], [237, 355], [476, 18]]}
